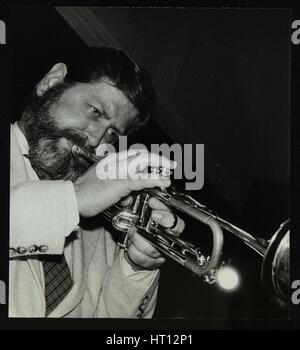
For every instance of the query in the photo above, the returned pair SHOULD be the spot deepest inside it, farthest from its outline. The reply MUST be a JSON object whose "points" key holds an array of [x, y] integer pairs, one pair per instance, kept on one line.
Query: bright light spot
{"points": [[228, 278]]}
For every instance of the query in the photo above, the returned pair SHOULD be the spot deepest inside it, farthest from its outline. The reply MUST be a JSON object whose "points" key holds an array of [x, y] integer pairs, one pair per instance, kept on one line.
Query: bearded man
{"points": [[60, 267]]}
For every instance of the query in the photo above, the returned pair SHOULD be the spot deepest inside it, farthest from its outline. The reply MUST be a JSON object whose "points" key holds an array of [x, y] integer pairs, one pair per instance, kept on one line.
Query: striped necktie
{"points": [[58, 281]]}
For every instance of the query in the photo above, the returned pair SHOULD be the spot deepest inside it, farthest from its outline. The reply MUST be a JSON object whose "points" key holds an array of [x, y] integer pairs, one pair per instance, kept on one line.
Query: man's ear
{"points": [[54, 77]]}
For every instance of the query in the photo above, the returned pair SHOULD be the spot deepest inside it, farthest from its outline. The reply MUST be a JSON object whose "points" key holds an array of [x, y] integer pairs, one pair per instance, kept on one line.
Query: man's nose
{"points": [[95, 135]]}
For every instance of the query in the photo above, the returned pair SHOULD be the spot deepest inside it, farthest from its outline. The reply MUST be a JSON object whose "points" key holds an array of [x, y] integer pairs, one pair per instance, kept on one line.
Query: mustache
{"points": [[52, 160], [69, 134], [77, 139]]}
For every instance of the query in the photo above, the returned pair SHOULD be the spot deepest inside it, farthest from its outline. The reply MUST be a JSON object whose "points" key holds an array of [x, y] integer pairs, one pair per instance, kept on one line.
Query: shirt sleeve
{"points": [[135, 275], [42, 215], [132, 296]]}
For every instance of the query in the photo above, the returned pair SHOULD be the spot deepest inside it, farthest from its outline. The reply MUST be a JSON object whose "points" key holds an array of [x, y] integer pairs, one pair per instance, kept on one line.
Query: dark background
{"points": [[226, 74], [5, 87]]}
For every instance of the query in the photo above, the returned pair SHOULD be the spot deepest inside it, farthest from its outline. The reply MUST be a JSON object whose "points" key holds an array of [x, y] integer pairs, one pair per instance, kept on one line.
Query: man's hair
{"points": [[135, 82]]}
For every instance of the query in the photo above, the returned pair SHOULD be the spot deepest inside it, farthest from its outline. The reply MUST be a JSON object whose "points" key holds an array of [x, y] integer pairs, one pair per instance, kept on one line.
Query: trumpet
{"points": [[275, 270]]}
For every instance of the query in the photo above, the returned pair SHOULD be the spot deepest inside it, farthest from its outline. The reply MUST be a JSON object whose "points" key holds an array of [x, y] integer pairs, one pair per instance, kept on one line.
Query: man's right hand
{"points": [[115, 177]]}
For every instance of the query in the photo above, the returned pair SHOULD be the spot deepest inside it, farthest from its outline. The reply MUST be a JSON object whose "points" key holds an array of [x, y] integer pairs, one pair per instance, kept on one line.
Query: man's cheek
{"points": [[66, 117]]}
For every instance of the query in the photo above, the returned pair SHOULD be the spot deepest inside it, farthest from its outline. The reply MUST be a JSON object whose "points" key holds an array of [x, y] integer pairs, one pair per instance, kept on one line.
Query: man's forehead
{"points": [[106, 92], [104, 95]]}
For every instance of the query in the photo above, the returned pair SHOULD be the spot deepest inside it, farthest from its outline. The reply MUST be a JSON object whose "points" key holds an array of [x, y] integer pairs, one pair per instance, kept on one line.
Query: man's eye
{"points": [[94, 110]]}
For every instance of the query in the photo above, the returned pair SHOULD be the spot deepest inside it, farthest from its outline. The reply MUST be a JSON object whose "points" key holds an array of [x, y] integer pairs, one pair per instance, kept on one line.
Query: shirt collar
{"points": [[20, 138]]}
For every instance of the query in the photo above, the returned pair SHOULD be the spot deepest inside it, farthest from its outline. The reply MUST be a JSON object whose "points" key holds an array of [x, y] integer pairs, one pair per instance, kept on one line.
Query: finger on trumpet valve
{"points": [[165, 173], [154, 170]]}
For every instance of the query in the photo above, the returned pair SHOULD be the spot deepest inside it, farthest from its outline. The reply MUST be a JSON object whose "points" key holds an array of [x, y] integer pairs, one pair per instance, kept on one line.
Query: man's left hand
{"points": [[141, 254]]}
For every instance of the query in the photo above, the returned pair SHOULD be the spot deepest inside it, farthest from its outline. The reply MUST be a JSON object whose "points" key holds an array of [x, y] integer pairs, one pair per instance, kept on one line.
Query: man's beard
{"points": [[49, 150]]}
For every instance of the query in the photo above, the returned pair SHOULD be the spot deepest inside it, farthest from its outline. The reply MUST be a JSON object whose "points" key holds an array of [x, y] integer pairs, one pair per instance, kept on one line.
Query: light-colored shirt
{"points": [[73, 217]]}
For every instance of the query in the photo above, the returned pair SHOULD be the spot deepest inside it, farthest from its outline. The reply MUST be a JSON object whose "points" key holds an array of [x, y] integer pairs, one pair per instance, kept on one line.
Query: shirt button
{"points": [[12, 251], [21, 250], [43, 248], [145, 300], [33, 249]]}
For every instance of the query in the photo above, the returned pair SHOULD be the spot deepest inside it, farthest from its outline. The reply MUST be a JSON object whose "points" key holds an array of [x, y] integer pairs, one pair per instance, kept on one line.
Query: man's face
{"points": [[97, 111], [87, 114]]}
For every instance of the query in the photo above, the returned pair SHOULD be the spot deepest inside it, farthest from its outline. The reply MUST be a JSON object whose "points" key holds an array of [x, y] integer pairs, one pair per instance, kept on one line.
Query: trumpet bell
{"points": [[275, 273]]}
